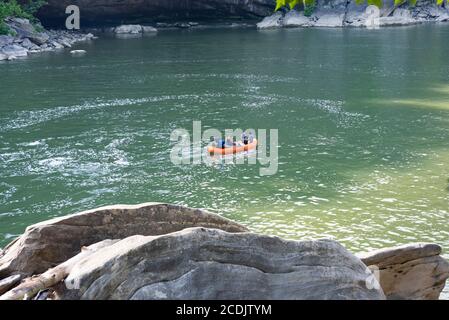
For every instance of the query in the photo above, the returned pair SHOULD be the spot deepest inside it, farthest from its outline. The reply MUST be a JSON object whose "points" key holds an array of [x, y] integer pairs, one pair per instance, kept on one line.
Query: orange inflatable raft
{"points": [[233, 149]]}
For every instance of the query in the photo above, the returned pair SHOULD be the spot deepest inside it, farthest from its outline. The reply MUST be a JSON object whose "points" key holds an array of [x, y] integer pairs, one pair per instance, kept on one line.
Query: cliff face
{"points": [[100, 12], [113, 12]]}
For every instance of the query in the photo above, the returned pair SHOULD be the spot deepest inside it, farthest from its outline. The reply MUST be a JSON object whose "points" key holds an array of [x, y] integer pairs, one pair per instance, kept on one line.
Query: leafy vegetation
{"points": [[11, 8]]}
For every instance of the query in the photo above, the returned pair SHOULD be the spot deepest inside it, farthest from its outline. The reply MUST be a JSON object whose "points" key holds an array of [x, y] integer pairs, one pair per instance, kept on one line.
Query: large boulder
{"points": [[25, 29], [14, 50], [52, 242], [414, 271], [271, 22], [294, 18], [199, 263]]}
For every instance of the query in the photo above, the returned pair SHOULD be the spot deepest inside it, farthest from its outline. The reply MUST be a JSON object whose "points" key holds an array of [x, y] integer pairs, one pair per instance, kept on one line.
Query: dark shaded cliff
{"points": [[103, 12]]}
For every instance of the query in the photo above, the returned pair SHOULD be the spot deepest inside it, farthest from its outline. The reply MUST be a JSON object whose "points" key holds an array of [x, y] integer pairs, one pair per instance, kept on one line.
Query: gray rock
{"points": [[78, 52], [430, 12], [330, 20], [14, 50], [199, 263], [128, 29], [65, 43], [5, 40], [413, 271], [9, 282], [294, 18], [148, 29], [182, 25], [25, 29], [399, 17], [57, 45], [51, 242], [270, 22], [26, 43]]}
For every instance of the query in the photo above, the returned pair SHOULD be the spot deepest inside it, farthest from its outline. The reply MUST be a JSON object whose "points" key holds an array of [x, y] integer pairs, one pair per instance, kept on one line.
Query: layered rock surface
{"points": [[162, 251], [201, 263], [47, 244], [414, 271]]}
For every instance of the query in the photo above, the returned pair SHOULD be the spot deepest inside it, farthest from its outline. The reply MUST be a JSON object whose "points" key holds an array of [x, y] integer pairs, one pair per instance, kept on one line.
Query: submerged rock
{"points": [[52, 242], [413, 271], [129, 29], [148, 29], [201, 263], [78, 52]]}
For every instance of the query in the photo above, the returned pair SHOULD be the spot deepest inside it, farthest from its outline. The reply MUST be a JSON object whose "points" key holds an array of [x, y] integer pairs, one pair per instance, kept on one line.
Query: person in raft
{"points": [[247, 137], [219, 143], [229, 142]]}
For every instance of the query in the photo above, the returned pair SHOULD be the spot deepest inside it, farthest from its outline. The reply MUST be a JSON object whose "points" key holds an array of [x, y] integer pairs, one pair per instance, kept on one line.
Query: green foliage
{"points": [[440, 2], [32, 6], [4, 28], [309, 5], [11, 8], [377, 3], [412, 3]]}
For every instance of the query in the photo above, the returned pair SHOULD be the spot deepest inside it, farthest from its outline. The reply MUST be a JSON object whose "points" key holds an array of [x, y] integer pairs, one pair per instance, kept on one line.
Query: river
{"points": [[362, 119]]}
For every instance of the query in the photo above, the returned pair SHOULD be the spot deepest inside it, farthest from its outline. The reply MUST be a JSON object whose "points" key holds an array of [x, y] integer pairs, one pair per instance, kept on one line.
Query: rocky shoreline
{"points": [[163, 251], [342, 13], [28, 40]]}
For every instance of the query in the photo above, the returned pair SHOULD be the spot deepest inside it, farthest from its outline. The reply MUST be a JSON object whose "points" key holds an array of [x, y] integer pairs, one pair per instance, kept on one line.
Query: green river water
{"points": [[363, 120]]}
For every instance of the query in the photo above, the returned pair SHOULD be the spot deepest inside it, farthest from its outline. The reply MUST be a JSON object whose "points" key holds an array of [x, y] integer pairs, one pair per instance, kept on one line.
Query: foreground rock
{"points": [[162, 251], [8, 283], [47, 244], [28, 39], [415, 271], [201, 263]]}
